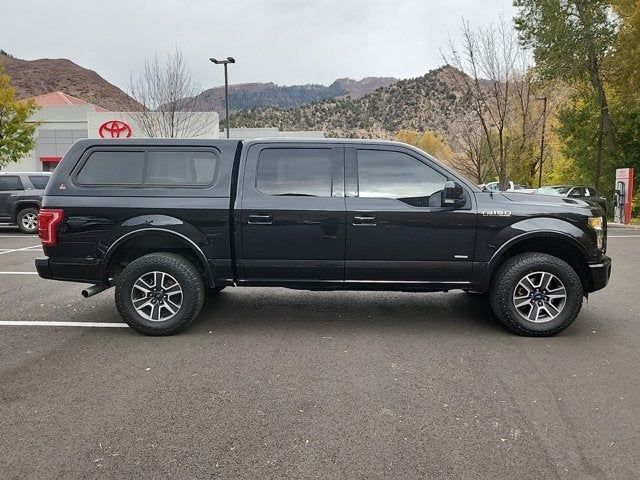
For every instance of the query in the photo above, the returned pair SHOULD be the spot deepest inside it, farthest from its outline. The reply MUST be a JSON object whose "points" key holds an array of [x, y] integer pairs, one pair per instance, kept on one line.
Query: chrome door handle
{"points": [[364, 220], [260, 219]]}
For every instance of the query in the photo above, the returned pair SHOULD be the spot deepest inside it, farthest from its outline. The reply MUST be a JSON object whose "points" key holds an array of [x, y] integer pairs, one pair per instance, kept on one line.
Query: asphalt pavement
{"points": [[272, 383]]}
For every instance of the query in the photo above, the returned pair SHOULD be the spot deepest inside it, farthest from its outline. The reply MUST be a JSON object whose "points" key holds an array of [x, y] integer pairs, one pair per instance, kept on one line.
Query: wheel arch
{"points": [[558, 244], [149, 240], [21, 205]]}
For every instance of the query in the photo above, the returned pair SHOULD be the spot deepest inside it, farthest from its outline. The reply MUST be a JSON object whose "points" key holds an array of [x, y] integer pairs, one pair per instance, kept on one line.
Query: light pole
{"points": [[544, 122], [225, 62]]}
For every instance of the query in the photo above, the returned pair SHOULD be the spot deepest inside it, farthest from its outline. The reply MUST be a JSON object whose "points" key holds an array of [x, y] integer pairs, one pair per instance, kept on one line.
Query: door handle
{"points": [[260, 219], [364, 220]]}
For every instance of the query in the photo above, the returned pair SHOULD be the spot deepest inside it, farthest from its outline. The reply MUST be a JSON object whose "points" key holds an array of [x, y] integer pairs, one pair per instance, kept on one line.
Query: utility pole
{"points": [[544, 123], [225, 62]]}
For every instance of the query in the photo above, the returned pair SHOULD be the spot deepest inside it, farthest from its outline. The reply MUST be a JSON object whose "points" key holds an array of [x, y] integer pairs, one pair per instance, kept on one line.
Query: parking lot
{"points": [[271, 383]]}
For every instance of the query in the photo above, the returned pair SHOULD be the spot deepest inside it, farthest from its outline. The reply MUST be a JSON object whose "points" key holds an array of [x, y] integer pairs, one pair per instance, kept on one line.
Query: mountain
{"points": [[250, 95], [431, 102], [36, 77]]}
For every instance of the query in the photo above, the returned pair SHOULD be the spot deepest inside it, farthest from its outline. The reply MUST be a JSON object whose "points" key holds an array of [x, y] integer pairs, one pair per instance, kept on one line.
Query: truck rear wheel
{"points": [[159, 294], [536, 294]]}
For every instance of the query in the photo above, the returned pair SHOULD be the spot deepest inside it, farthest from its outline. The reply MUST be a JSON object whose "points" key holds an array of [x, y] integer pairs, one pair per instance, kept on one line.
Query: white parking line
{"points": [[18, 273], [21, 249], [20, 323], [623, 236]]}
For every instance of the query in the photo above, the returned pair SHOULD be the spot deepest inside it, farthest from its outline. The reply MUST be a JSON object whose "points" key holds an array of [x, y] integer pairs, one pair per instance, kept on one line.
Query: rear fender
{"points": [[137, 227]]}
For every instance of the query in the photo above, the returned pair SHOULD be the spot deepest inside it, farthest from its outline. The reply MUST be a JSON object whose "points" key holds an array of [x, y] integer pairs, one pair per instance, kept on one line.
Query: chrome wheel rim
{"points": [[30, 221], [156, 296], [539, 297]]}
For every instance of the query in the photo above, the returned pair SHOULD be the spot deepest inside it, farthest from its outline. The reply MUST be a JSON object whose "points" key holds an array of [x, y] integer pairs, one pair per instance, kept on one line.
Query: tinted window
{"points": [[10, 182], [386, 174], [576, 192], [39, 181], [112, 168], [180, 168], [295, 171]]}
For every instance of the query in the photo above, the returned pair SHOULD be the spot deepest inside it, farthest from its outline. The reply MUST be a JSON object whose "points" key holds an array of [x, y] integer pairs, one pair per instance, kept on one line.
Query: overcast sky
{"points": [[283, 41]]}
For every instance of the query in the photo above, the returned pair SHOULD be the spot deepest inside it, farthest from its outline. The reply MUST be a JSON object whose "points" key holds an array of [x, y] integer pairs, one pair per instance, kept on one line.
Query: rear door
{"points": [[293, 215], [397, 229], [9, 185]]}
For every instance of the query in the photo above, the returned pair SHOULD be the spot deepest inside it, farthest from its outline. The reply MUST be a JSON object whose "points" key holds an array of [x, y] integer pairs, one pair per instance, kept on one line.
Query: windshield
{"points": [[558, 191]]}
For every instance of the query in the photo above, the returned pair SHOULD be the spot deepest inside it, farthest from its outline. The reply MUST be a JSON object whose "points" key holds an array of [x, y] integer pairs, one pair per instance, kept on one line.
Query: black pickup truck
{"points": [[165, 221]]}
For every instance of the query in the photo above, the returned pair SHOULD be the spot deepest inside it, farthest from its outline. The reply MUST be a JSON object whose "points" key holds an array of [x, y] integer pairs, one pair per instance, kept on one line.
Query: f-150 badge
{"points": [[496, 213]]}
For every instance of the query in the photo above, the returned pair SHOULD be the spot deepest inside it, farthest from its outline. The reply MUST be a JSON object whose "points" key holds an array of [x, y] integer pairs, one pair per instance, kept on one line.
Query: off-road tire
{"points": [[506, 279], [187, 275], [21, 215]]}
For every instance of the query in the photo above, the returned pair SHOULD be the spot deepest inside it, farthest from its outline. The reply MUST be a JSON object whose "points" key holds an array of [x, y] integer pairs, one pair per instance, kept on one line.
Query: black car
{"points": [[20, 198], [166, 220], [581, 192]]}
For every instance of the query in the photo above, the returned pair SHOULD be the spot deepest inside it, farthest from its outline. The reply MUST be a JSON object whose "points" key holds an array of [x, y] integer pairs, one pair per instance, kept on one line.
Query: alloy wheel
{"points": [[156, 296], [539, 297]]}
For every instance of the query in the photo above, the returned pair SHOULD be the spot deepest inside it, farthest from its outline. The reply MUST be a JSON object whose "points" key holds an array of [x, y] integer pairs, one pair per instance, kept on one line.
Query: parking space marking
{"points": [[18, 273], [36, 323], [623, 236], [18, 236], [21, 249]]}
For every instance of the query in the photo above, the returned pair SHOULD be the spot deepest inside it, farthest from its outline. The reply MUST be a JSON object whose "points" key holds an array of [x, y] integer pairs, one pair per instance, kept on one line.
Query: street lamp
{"points": [[225, 62], [544, 122]]}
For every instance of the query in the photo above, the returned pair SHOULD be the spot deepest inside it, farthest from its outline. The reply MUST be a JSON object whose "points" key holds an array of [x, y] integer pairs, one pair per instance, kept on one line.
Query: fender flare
{"points": [[141, 232], [499, 253], [484, 272], [18, 206]]}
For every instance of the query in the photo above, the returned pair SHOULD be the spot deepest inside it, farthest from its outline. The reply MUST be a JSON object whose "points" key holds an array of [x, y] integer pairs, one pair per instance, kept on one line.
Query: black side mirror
{"points": [[453, 195]]}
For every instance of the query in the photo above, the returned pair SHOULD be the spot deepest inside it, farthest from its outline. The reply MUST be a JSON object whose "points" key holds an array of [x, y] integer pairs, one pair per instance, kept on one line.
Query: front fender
{"points": [[507, 237]]}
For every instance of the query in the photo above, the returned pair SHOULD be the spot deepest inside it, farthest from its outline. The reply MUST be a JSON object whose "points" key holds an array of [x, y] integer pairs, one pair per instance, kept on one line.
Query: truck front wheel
{"points": [[159, 294], [536, 294]]}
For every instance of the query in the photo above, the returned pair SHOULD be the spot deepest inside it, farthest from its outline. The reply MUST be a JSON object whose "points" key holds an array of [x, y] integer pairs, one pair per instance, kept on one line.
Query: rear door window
{"points": [[295, 172], [113, 168], [39, 181], [10, 182]]}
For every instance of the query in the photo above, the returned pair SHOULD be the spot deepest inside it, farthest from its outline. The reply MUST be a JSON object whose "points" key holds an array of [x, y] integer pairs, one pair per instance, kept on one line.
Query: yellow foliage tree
{"points": [[428, 141]]}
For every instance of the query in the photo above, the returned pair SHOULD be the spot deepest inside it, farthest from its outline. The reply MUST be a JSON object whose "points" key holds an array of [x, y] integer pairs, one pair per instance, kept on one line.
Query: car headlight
{"points": [[597, 224]]}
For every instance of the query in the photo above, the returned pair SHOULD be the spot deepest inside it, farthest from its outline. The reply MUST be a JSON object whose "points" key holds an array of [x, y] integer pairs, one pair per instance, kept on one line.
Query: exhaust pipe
{"points": [[94, 289]]}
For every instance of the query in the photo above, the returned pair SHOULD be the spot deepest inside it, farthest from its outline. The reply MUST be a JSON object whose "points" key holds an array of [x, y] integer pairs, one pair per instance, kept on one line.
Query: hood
{"points": [[536, 199]]}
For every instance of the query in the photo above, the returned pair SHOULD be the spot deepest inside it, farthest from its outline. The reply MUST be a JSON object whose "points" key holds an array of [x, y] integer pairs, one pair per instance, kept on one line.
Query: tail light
{"points": [[48, 221]]}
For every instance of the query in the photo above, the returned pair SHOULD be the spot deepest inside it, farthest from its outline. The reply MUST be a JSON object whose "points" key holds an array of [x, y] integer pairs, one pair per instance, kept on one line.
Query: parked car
{"points": [[164, 220], [581, 192], [20, 198], [512, 187]]}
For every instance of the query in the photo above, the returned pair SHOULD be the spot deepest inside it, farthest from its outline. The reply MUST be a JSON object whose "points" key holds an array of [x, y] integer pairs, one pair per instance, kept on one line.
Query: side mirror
{"points": [[453, 195]]}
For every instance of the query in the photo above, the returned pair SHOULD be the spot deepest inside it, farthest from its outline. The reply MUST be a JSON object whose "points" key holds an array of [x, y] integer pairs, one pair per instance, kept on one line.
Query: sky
{"points": [[282, 41]]}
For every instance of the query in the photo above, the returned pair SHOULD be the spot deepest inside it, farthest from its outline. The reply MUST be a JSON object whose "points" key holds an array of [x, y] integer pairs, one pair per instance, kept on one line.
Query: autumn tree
{"points": [[570, 41], [492, 76], [428, 141], [16, 132], [166, 94]]}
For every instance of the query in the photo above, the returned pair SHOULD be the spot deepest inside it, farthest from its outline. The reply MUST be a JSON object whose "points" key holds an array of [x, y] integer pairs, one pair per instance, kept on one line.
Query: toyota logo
{"points": [[114, 129]]}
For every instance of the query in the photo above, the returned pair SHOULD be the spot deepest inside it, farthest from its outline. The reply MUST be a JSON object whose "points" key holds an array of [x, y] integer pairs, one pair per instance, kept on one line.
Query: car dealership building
{"points": [[63, 119]]}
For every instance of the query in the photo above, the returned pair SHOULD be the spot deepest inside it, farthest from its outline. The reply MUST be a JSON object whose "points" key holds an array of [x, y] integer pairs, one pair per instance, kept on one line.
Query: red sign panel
{"points": [[114, 129]]}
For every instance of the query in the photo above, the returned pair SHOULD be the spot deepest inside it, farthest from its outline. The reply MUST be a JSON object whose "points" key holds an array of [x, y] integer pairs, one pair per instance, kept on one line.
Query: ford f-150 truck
{"points": [[165, 221]]}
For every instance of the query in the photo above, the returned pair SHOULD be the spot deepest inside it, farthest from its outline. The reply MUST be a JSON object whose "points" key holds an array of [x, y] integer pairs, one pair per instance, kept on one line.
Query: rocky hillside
{"points": [[250, 95], [36, 77], [429, 102]]}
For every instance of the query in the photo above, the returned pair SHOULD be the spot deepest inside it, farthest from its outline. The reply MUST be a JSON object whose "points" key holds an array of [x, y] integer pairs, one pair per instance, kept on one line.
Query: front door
{"points": [[398, 231], [293, 215]]}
